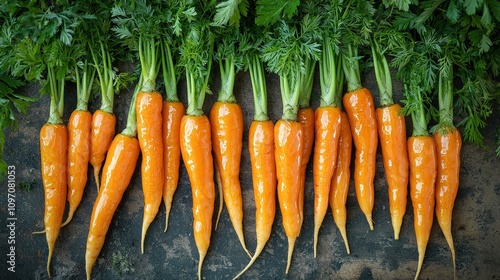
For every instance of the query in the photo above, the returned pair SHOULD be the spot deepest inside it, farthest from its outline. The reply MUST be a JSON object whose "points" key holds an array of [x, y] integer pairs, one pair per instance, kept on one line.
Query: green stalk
{"points": [[55, 114], [148, 56], [418, 113], [84, 85], [169, 75], [331, 76], [351, 68], [105, 73], [131, 127], [307, 84], [290, 93], [228, 75], [445, 96], [382, 75], [257, 76]]}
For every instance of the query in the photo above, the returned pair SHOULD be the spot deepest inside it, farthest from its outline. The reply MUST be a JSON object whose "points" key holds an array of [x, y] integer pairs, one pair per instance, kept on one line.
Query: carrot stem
{"points": [[257, 76], [382, 75], [169, 73], [351, 68]]}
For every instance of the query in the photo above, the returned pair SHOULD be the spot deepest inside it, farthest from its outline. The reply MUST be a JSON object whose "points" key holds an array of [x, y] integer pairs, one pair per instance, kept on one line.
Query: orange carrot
{"points": [[289, 142], [102, 133], [340, 179], [261, 149], [172, 115], [79, 140], [226, 119], [196, 148], [306, 119], [360, 108], [422, 159], [150, 135], [118, 170], [53, 154], [78, 158], [448, 145], [325, 160], [392, 133], [117, 173]]}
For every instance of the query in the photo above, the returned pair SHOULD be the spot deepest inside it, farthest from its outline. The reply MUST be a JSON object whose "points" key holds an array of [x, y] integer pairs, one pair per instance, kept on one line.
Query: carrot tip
{"points": [[258, 250], [291, 245], [70, 217], [346, 242], [38, 232], [97, 169], [200, 263], [369, 220]]}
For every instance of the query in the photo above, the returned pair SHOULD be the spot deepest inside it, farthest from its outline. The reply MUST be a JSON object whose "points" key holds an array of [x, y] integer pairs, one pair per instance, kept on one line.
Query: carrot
{"points": [[150, 135], [102, 133], [196, 152], [448, 145], [195, 135], [53, 154], [54, 160], [103, 120], [261, 149], [172, 113], [392, 133], [289, 141], [359, 106], [340, 179], [306, 119], [118, 170], [422, 161], [79, 140], [226, 119], [327, 132]]}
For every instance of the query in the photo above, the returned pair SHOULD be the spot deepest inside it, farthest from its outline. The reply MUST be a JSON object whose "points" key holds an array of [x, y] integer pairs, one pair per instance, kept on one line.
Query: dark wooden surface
{"points": [[173, 254]]}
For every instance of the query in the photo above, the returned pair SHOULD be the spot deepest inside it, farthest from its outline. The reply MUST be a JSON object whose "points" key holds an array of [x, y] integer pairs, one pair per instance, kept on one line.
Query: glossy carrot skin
{"points": [[422, 161], [306, 119], [392, 133], [172, 115], [448, 146], [149, 107], [289, 142], [102, 133], [78, 157], [327, 132], [340, 180], [116, 175], [196, 148], [53, 155], [226, 120], [261, 148], [360, 108]]}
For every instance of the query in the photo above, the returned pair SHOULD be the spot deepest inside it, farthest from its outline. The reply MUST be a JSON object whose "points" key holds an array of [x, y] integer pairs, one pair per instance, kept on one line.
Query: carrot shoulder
{"points": [[102, 133]]}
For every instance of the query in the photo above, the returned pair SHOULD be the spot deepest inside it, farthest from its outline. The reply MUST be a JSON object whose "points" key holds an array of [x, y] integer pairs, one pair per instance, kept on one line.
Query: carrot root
{"points": [[97, 170], [343, 233], [421, 255], [70, 216], [291, 246], [200, 262], [51, 250], [369, 220], [258, 251], [221, 196]]}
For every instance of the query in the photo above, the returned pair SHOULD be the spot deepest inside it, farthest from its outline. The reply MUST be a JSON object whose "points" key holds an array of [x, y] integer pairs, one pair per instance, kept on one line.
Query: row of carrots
{"points": [[279, 156], [164, 131]]}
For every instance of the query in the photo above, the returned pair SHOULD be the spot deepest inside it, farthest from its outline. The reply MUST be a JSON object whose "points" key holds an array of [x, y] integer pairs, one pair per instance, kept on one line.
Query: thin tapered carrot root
{"points": [[71, 212], [167, 213], [97, 170], [51, 250], [369, 220], [221, 196], [239, 233], [200, 262], [258, 251], [343, 233], [145, 225], [449, 239], [421, 255], [291, 246]]}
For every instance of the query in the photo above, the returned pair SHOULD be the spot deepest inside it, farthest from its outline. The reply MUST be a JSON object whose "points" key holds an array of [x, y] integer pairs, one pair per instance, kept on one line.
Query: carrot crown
{"points": [[445, 94], [331, 75], [258, 78], [382, 74]]}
